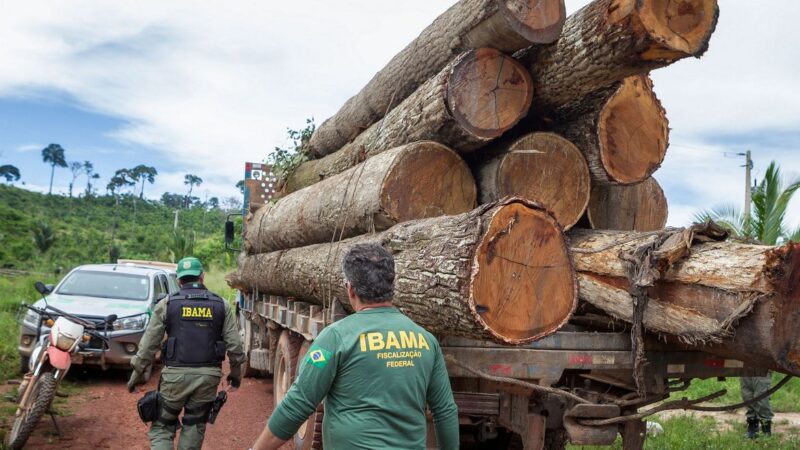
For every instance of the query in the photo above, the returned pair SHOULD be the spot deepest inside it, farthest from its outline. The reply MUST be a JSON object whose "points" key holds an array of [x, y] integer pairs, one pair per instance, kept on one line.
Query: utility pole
{"points": [[748, 190], [175, 224]]}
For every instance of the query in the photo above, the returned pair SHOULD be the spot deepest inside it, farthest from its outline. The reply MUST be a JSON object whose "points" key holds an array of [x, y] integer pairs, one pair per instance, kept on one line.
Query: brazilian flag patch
{"points": [[318, 356]]}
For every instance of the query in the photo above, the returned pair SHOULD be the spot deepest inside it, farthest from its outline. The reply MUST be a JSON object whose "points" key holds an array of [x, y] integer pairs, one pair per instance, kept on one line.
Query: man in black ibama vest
{"points": [[200, 328]]}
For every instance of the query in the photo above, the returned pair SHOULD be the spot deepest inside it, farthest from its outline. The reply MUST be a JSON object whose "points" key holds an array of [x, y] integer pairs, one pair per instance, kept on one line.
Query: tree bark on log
{"points": [[723, 265], [734, 300], [622, 130], [506, 25], [414, 181], [542, 167], [500, 272], [609, 40], [640, 207], [473, 100]]}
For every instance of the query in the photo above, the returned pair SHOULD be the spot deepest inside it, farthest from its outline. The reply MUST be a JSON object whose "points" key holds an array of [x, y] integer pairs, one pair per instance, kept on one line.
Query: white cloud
{"points": [[210, 86], [27, 148]]}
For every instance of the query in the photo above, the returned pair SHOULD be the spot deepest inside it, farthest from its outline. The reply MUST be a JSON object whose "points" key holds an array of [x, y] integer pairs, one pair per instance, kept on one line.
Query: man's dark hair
{"points": [[370, 270], [189, 279]]}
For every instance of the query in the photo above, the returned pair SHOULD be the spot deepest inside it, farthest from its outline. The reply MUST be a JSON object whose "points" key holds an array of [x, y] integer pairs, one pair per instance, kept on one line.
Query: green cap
{"points": [[189, 266]]}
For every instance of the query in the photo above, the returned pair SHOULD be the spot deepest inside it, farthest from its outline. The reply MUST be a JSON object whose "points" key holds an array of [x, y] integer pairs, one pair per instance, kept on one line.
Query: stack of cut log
{"points": [[473, 152]]}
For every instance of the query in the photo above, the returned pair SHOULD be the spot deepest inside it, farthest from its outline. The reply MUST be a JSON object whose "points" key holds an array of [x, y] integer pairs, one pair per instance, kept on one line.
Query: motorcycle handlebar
{"points": [[44, 312]]}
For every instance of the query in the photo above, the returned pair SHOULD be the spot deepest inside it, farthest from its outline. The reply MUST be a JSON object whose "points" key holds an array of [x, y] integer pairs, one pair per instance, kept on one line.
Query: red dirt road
{"points": [[103, 416]]}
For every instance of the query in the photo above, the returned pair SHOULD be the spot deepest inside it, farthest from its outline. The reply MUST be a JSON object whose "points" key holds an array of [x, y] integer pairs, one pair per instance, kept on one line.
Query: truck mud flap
{"points": [[587, 435], [260, 359]]}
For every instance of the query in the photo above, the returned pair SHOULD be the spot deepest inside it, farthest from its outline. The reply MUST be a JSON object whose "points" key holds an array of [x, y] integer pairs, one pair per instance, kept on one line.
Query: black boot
{"points": [[766, 428], [752, 428]]}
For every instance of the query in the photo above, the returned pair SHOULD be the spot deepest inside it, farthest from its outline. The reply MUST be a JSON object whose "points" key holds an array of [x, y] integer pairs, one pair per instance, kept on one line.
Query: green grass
{"points": [[215, 282], [82, 230], [14, 290], [786, 399], [703, 433]]}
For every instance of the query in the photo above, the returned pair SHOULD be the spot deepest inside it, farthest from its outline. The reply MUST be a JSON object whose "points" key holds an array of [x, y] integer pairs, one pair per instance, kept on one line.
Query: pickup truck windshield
{"points": [[105, 285]]}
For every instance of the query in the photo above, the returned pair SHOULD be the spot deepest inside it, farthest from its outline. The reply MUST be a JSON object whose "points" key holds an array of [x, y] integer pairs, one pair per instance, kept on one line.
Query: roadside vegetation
{"points": [[705, 433]]}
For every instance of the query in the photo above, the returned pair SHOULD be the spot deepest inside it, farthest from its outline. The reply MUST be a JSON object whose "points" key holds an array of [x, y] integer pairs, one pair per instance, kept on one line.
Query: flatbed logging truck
{"points": [[494, 414]]}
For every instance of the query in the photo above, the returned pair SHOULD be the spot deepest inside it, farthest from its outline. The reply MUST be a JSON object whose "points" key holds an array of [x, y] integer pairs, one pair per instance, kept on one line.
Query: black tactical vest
{"points": [[194, 330]]}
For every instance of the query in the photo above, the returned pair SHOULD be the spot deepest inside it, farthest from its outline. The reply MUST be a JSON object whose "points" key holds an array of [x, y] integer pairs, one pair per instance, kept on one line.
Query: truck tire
{"points": [[285, 365], [42, 393], [309, 436], [248, 338]]}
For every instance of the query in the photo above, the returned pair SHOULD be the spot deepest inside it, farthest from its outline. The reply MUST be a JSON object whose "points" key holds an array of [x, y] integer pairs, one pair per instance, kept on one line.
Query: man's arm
{"points": [[151, 340], [442, 405], [316, 373], [232, 338], [268, 441]]}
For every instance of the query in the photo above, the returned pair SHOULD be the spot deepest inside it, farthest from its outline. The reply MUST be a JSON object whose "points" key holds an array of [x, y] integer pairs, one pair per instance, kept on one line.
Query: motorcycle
{"points": [[49, 363]]}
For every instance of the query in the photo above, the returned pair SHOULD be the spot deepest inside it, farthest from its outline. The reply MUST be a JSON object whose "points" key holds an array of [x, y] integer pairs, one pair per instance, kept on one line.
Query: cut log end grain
{"points": [[427, 180], [488, 92], [678, 27], [633, 132], [523, 284], [538, 21], [639, 207], [608, 40], [544, 168]]}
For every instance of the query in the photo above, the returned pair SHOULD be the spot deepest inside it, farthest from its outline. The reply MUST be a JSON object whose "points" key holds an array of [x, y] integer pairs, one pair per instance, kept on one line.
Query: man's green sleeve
{"points": [[316, 373], [442, 405], [232, 338], [151, 340]]}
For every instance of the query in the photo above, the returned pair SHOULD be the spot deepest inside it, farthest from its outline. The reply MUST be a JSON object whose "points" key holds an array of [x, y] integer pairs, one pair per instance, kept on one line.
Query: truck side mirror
{"points": [[41, 288], [228, 232]]}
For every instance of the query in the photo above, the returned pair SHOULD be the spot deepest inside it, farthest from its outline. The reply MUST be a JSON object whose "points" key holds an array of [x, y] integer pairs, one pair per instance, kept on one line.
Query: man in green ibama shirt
{"points": [[376, 369]]}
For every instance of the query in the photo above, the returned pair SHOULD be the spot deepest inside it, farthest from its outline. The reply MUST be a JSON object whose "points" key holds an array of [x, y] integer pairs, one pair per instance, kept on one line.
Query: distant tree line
{"points": [[124, 182]]}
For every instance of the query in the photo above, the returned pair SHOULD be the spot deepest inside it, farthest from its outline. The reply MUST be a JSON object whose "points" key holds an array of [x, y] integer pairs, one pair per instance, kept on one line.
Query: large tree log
{"points": [[609, 40], [734, 300], [414, 181], [622, 130], [723, 265], [501, 271], [473, 100], [507, 25], [640, 207], [542, 167]]}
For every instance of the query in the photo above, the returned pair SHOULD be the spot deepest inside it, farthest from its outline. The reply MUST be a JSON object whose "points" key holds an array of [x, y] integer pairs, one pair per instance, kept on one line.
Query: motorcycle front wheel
{"points": [[28, 415]]}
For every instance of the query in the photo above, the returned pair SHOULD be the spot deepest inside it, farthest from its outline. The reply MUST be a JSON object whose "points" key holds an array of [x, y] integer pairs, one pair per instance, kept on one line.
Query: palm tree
{"points": [[795, 236], [766, 224], [191, 181], [9, 172], [182, 244], [43, 236], [144, 173], [76, 168], [54, 155]]}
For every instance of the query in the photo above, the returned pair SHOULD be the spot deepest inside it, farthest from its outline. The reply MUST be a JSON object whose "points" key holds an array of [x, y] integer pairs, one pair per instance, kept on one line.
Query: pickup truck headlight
{"points": [[131, 323], [31, 318]]}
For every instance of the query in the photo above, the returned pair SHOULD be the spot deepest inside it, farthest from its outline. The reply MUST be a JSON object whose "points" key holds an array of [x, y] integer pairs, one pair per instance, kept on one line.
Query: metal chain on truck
{"points": [[327, 294]]}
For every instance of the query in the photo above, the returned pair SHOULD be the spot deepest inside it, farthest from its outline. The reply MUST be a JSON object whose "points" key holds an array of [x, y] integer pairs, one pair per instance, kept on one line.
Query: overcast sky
{"points": [[202, 87]]}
